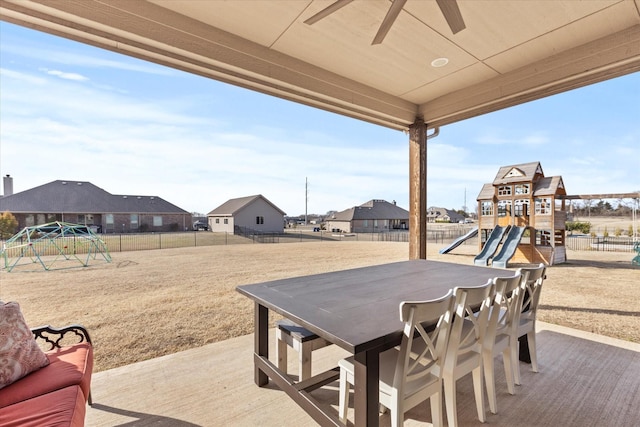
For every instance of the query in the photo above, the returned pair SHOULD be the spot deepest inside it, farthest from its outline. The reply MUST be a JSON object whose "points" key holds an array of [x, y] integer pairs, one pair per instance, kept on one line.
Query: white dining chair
{"points": [[502, 333], [302, 340], [531, 288], [408, 378], [464, 350]]}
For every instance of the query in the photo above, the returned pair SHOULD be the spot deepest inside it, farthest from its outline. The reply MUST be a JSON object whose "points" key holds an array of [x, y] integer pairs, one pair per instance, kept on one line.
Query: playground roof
{"points": [[510, 174], [508, 53], [549, 186]]}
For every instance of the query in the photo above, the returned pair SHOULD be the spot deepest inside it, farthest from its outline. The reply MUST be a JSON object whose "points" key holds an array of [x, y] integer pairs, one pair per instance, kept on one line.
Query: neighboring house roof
{"points": [[524, 172], [231, 206], [82, 197], [435, 212], [373, 209]]}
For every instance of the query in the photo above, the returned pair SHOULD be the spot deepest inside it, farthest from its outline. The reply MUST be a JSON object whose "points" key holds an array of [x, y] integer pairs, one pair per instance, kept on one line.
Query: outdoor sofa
{"points": [[50, 387]]}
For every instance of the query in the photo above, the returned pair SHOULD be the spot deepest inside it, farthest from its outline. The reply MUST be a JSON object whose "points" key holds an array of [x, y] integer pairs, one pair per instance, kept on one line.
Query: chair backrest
{"points": [[506, 306], [469, 321], [532, 288], [425, 335]]}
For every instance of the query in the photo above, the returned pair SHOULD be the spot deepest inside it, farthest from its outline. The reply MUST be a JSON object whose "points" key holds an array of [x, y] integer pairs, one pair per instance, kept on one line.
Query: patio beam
{"points": [[418, 190]]}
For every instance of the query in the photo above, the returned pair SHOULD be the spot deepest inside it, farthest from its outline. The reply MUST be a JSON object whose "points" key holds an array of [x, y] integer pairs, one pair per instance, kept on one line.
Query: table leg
{"points": [[525, 355], [261, 341], [367, 383]]}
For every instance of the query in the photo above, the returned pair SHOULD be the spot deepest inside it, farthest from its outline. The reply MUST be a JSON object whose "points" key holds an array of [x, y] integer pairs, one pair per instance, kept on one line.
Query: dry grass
{"points": [[150, 303]]}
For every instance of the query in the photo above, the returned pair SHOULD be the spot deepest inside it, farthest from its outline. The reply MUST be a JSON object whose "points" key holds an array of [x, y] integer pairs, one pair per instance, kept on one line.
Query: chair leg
{"points": [[531, 339], [478, 388], [436, 410], [514, 347], [396, 410], [281, 352], [450, 401], [343, 396], [490, 380], [508, 371]]}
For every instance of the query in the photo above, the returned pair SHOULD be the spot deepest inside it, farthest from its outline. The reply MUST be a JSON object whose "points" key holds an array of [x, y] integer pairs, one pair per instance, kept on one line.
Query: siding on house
{"points": [[253, 212]]}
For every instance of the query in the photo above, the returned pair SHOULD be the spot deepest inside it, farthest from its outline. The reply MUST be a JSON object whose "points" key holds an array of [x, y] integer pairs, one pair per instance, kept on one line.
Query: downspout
{"points": [[436, 132]]}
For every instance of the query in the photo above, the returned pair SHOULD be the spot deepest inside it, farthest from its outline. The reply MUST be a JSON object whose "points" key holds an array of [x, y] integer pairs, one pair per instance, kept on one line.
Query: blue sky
{"points": [[74, 112]]}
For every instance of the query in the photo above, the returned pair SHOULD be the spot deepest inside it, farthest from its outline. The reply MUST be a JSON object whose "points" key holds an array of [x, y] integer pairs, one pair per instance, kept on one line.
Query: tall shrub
{"points": [[8, 225]]}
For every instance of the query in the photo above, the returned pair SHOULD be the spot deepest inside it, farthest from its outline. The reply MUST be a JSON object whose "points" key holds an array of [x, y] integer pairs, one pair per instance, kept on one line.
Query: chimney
{"points": [[8, 185]]}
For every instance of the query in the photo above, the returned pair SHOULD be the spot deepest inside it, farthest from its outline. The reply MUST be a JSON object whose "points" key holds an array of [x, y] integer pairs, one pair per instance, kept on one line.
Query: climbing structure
{"points": [[54, 245], [532, 208]]}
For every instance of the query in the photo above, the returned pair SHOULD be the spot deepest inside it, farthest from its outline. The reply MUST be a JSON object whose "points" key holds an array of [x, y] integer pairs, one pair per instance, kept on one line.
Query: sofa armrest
{"points": [[59, 337]]}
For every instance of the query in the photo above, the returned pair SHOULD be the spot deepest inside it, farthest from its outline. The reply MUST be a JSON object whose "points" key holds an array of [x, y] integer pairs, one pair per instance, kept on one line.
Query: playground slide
{"points": [[460, 240], [508, 247], [490, 246]]}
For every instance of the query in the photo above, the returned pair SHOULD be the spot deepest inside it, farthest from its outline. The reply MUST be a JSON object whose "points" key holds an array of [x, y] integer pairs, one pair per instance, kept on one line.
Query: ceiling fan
{"points": [[449, 9]]}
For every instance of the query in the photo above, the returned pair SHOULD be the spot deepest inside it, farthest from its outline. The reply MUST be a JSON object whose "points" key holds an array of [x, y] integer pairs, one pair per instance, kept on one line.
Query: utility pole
{"points": [[464, 208], [306, 198]]}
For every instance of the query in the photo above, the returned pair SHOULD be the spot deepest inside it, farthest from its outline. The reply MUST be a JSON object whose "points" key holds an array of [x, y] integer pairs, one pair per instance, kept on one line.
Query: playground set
{"points": [[522, 217], [53, 246]]}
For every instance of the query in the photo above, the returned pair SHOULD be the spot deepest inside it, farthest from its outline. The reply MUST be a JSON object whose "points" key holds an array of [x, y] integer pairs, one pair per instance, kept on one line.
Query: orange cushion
{"points": [[71, 365], [65, 407]]}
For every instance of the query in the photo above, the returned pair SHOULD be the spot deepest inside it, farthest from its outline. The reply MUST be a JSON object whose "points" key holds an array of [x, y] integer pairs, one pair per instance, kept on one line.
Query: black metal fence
{"points": [[608, 244], [148, 241]]}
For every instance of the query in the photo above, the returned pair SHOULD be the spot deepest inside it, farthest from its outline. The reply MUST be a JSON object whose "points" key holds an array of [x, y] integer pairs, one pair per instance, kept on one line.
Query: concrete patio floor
{"points": [[584, 380]]}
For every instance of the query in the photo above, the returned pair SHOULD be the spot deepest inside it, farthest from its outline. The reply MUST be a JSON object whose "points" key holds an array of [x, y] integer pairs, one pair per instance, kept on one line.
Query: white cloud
{"points": [[65, 75]]}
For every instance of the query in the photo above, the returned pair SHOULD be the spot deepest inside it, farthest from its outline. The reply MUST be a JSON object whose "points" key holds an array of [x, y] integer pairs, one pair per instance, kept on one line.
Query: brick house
{"points": [[81, 202]]}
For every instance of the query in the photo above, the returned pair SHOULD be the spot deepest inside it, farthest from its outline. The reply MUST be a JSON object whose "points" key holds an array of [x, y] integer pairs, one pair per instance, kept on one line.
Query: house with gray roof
{"points": [[435, 214], [255, 213], [81, 202], [374, 216]]}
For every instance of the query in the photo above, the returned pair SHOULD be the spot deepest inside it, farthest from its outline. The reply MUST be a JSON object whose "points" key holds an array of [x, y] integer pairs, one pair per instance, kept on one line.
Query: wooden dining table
{"points": [[357, 310]]}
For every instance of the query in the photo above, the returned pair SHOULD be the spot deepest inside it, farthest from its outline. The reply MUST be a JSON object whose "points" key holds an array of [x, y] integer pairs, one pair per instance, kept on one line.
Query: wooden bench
{"points": [[301, 340]]}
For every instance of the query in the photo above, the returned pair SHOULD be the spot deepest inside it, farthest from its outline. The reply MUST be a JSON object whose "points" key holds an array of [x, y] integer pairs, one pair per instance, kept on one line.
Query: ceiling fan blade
{"points": [[452, 14], [388, 21], [327, 11]]}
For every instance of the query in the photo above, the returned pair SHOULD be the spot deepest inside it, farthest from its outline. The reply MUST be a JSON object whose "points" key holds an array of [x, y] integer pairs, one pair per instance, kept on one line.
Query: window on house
{"points": [[218, 221], [226, 221], [521, 207], [504, 208], [157, 221], [522, 188], [109, 219], [133, 221], [259, 220], [487, 209], [543, 206], [365, 223], [504, 190]]}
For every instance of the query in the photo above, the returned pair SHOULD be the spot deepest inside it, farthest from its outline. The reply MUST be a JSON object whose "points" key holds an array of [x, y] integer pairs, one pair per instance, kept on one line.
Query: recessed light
{"points": [[439, 62]]}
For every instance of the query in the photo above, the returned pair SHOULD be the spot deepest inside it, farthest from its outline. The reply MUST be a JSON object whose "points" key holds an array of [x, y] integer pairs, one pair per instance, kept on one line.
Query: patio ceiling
{"points": [[510, 51]]}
